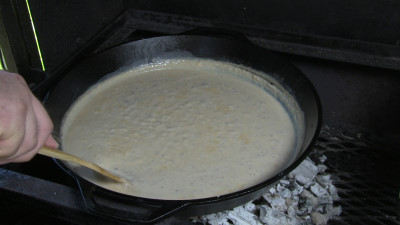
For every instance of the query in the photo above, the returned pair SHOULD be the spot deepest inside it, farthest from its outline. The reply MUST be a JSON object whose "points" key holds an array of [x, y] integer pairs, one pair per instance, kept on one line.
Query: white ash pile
{"points": [[305, 196]]}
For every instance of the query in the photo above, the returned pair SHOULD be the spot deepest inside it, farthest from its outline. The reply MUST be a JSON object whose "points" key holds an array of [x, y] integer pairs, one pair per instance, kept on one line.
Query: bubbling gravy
{"points": [[182, 129]]}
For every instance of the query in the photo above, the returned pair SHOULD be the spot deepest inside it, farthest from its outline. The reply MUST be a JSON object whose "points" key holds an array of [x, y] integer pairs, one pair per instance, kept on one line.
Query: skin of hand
{"points": [[25, 125]]}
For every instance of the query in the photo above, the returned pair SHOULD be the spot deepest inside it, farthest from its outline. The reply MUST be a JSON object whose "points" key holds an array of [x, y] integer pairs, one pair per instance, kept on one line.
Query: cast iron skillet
{"points": [[145, 210]]}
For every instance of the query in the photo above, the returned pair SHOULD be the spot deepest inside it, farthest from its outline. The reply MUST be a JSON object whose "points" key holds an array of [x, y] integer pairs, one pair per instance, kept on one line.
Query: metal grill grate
{"points": [[366, 172]]}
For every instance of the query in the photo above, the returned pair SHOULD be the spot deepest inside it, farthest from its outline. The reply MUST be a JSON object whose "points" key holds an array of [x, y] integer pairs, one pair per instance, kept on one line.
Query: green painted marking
{"points": [[34, 33], [1, 59]]}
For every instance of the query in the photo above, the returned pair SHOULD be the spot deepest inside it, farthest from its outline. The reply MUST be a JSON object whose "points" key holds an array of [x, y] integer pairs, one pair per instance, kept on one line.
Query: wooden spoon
{"points": [[71, 158]]}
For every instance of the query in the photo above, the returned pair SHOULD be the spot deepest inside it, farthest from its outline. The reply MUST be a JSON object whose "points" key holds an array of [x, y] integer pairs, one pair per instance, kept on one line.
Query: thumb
{"points": [[51, 142]]}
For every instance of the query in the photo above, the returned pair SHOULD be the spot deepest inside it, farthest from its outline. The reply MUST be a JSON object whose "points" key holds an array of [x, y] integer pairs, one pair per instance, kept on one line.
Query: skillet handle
{"points": [[128, 208]]}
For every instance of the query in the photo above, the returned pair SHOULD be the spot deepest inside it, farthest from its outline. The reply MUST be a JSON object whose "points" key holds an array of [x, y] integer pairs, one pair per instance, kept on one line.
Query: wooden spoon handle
{"points": [[71, 158]]}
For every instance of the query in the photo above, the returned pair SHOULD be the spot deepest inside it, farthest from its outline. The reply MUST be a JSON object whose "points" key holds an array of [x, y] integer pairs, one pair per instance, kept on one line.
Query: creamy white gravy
{"points": [[183, 129]]}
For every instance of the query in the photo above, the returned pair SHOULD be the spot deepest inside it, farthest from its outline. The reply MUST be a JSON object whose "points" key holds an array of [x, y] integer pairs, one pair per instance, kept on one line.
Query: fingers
{"points": [[37, 133], [20, 144], [30, 140], [51, 143], [12, 127], [24, 123], [45, 126]]}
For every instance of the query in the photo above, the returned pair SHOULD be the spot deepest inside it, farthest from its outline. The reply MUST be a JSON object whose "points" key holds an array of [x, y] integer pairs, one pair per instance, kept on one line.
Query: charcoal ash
{"points": [[305, 173], [305, 196], [322, 158]]}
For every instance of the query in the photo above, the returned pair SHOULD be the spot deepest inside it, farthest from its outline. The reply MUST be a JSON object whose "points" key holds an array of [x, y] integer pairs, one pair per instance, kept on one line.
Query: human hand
{"points": [[25, 125]]}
